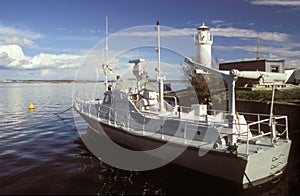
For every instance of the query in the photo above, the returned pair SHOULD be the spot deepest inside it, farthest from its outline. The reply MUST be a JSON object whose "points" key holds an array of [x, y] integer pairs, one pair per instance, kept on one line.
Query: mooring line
{"points": [[63, 111]]}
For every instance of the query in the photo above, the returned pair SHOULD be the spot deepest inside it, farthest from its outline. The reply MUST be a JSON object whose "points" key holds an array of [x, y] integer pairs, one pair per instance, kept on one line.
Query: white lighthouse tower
{"points": [[204, 42]]}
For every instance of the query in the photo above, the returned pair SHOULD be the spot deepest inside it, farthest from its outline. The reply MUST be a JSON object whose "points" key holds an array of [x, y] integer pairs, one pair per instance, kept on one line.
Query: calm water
{"points": [[42, 153]]}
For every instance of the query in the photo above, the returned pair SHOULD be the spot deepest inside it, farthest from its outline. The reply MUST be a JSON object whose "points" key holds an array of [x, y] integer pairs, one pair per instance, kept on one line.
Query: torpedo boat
{"points": [[223, 144]]}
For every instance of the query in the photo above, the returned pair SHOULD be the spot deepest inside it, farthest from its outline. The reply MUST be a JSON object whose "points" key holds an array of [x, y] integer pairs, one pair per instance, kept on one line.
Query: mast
{"points": [[272, 124], [160, 78], [106, 39], [105, 65], [158, 46], [258, 48]]}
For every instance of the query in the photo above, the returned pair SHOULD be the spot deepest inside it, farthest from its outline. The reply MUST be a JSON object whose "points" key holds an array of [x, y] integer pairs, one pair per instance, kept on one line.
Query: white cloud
{"points": [[215, 22], [149, 31], [221, 23], [4, 59], [283, 52], [18, 41], [22, 37], [60, 61], [47, 73], [248, 33], [11, 31], [230, 48], [276, 2], [13, 57], [223, 32], [274, 52], [54, 74]]}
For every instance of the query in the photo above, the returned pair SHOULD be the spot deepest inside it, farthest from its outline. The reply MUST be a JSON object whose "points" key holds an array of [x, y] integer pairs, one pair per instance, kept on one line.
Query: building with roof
{"points": [[262, 65]]}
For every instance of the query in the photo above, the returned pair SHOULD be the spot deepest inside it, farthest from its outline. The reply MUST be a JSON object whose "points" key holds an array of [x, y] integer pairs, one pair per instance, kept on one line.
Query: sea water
{"points": [[41, 153]]}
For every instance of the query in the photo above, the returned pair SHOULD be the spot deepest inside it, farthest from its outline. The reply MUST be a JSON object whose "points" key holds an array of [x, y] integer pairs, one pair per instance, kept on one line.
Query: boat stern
{"points": [[266, 164]]}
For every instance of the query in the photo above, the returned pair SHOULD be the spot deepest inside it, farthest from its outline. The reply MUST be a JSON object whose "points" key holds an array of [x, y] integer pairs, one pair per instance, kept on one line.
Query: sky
{"points": [[50, 39]]}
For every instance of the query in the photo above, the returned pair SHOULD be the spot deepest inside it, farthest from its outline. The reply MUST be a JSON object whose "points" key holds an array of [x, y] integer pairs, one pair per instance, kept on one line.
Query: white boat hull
{"points": [[247, 170]]}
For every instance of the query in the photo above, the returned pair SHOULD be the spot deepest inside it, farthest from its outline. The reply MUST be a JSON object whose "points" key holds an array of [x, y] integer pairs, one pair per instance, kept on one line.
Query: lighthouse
{"points": [[203, 42]]}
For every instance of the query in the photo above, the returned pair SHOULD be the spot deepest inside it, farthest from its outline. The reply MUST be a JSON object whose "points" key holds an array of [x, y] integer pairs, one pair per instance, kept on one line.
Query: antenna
{"points": [[105, 65], [106, 39], [160, 78], [258, 48], [158, 45]]}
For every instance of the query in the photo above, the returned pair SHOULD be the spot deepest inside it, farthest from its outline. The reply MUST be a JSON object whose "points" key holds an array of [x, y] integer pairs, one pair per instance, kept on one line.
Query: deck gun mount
{"points": [[231, 77]]}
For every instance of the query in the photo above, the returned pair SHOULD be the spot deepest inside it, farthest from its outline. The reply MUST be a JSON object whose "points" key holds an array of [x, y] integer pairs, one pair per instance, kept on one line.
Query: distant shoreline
{"points": [[45, 81], [9, 81]]}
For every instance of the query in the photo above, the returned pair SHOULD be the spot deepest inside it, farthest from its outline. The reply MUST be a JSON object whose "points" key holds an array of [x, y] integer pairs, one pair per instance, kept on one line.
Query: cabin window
{"points": [[106, 99], [274, 68]]}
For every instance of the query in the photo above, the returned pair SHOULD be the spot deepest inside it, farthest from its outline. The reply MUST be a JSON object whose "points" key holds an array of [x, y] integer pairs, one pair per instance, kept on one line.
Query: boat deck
{"points": [[254, 146], [246, 144]]}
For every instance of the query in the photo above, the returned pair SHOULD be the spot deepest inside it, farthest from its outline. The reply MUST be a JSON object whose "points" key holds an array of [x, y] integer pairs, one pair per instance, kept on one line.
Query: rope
{"points": [[63, 111], [58, 114]]}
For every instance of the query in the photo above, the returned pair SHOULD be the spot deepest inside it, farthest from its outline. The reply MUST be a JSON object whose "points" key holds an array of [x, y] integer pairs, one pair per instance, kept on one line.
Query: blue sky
{"points": [[48, 39]]}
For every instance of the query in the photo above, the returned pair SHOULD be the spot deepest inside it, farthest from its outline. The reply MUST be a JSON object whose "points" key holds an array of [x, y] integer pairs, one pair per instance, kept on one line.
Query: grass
{"points": [[266, 95]]}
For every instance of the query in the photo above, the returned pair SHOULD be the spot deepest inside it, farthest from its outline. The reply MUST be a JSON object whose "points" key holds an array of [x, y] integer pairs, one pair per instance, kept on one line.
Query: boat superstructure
{"points": [[248, 149]]}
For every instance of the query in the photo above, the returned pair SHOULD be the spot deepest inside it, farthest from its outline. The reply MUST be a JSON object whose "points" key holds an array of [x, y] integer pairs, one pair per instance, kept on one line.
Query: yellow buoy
{"points": [[31, 106]]}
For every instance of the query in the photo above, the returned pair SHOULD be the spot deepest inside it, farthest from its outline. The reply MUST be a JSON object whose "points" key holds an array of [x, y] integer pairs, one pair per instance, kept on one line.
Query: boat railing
{"points": [[124, 115], [116, 115], [123, 118], [175, 103], [260, 122], [259, 125], [261, 134]]}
